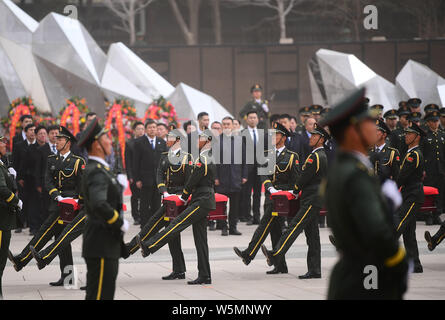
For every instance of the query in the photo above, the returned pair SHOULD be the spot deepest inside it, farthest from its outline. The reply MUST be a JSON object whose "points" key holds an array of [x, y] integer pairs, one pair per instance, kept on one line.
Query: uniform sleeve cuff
{"points": [[395, 259], [114, 219]]}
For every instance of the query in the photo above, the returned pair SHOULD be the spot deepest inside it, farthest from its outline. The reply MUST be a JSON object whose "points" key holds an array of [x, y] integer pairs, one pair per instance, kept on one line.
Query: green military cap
{"points": [[65, 133], [402, 103], [305, 111], [403, 110], [279, 128], [381, 125], [390, 114], [256, 87], [432, 115], [414, 102], [414, 128], [320, 131], [414, 116], [92, 133], [377, 107], [431, 107], [350, 110], [442, 112], [316, 109]]}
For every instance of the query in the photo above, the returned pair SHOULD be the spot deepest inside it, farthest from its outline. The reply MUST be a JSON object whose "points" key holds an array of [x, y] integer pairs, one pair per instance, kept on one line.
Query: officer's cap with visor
{"points": [[92, 133], [65, 133], [381, 125], [432, 116], [279, 128], [414, 128], [320, 131]]}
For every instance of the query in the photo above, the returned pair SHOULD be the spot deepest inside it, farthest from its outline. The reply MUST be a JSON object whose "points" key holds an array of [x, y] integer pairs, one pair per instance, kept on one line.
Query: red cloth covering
{"points": [[430, 191], [71, 202], [221, 198], [289, 195]]}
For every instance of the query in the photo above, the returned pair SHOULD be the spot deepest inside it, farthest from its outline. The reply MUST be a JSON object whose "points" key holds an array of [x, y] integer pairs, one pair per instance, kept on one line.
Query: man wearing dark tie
{"points": [[147, 153]]}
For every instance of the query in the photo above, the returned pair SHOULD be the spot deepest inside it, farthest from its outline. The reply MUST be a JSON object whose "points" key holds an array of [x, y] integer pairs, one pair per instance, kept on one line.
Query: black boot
{"points": [[15, 261], [242, 255], [200, 280], [268, 254], [40, 262], [310, 275], [144, 249], [174, 276], [429, 240], [277, 270], [59, 282], [418, 268], [234, 232]]}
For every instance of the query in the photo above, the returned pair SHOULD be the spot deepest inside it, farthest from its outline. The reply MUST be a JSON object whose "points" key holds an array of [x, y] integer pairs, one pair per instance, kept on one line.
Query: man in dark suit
{"points": [[294, 141], [305, 136], [147, 154], [25, 120], [138, 131]]}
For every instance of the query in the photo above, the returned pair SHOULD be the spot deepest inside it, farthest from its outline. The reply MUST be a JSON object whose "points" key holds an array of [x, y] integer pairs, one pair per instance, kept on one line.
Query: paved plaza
{"points": [[140, 279]]}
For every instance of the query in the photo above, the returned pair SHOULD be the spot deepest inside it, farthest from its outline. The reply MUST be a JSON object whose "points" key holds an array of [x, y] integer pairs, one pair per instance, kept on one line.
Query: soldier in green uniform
{"points": [[171, 179], [385, 159], [10, 205], [359, 216], [104, 227], [200, 187], [62, 179], [259, 105], [410, 181], [282, 177], [314, 170]]}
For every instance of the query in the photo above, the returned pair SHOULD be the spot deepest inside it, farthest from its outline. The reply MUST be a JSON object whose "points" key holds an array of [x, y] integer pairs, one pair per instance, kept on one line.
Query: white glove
{"points": [[122, 179], [12, 172], [182, 200], [166, 194], [20, 204], [265, 107], [272, 190], [59, 198], [125, 226], [390, 190]]}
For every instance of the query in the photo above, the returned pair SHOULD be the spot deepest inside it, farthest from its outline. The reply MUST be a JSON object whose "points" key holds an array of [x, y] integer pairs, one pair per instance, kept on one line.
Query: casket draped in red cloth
{"points": [[285, 204], [220, 213], [173, 207], [429, 203], [69, 209]]}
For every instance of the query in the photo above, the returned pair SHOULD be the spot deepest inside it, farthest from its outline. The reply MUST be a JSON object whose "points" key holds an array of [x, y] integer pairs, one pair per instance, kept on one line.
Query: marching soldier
{"points": [[410, 180], [104, 227], [313, 172], [200, 186], [171, 179], [385, 160], [283, 177], [359, 217], [257, 104], [433, 149], [63, 176], [10, 204]]}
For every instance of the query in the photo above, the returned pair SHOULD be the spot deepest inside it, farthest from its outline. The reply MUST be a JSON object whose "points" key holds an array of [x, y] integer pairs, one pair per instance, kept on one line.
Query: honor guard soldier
{"points": [[259, 105], [104, 227], [415, 117], [391, 118], [171, 179], [359, 216], [385, 159], [430, 108], [410, 181], [414, 104], [200, 187], [10, 205], [282, 177], [313, 172], [433, 148], [62, 179]]}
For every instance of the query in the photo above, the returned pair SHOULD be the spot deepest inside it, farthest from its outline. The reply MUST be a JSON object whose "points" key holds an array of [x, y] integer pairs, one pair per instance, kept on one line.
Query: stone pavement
{"points": [[140, 279]]}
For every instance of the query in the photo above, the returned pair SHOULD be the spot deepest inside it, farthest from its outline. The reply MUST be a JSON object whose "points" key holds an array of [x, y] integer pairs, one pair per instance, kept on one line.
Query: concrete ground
{"points": [[140, 279]]}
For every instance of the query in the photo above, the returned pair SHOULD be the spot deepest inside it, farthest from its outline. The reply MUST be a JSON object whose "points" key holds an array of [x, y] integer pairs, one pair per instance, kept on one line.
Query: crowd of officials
{"points": [[304, 151]]}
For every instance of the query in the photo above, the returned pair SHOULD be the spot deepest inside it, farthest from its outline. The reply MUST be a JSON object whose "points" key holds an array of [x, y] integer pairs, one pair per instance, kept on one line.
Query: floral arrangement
{"points": [[73, 114], [162, 110]]}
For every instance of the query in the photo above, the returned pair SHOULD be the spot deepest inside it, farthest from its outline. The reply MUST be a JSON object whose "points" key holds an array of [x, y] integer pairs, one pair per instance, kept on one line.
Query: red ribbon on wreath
{"points": [[72, 109], [116, 112], [19, 111]]}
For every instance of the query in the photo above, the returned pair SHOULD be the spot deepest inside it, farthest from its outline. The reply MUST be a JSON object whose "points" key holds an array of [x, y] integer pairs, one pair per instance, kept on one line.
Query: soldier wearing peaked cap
{"points": [[433, 148], [385, 159], [200, 187], [259, 105], [313, 172], [442, 118], [379, 109], [431, 107], [281, 177], [63, 175], [414, 104], [359, 216], [104, 227], [316, 111]]}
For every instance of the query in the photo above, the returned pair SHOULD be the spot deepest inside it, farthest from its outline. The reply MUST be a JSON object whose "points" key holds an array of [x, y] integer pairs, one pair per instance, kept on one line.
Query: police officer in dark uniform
{"points": [[410, 180], [385, 159], [259, 105], [10, 205], [62, 179], [314, 170], [433, 149], [200, 186], [101, 191], [171, 179], [281, 177]]}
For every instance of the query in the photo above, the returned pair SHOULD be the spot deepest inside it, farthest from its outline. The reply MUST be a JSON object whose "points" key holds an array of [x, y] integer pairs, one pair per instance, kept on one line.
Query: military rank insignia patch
{"points": [[199, 164], [410, 159], [190, 163], [310, 160], [297, 162]]}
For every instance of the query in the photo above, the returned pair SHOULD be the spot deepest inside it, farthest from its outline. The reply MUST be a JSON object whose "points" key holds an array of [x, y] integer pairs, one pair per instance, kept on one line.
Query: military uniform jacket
{"points": [[313, 171], [63, 178], [102, 194], [8, 200], [397, 141], [386, 163], [258, 107], [171, 177], [411, 172], [285, 172], [433, 149], [201, 183]]}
